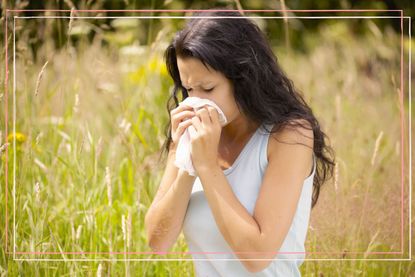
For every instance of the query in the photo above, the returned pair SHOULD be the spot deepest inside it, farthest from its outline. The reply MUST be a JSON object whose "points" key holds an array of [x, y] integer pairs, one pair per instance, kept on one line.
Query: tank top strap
{"points": [[314, 163], [264, 137], [263, 134]]}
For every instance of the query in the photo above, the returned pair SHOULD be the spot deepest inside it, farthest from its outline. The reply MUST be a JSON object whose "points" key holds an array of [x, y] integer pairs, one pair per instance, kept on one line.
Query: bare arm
{"points": [[164, 218]]}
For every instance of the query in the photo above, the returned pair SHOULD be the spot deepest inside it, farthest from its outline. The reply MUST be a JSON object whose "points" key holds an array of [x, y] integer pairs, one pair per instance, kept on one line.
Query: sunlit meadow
{"points": [[89, 125]]}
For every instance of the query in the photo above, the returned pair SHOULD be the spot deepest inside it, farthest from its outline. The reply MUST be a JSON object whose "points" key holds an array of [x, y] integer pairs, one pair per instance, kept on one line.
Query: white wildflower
{"points": [[3, 147], [124, 126], [129, 229], [39, 78], [40, 164], [108, 184], [78, 232], [98, 149], [76, 105], [37, 191], [38, 137], [377, 143], [123, 227], [336, 176], [99, 270]]}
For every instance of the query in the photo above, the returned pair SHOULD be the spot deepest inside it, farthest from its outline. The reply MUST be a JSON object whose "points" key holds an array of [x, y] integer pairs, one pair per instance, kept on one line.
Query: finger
{"points": [[196, 123], [180, 108], [180, 117], [204, 116], [182, 127], [192, 132], [185, 106], [214, 115]]}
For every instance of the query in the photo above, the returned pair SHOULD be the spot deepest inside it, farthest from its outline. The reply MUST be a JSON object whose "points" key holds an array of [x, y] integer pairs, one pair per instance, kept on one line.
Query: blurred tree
{"points": [[288, 32]]}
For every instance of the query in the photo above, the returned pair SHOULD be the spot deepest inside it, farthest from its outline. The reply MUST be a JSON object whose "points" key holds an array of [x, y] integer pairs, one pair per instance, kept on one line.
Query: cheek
{"points": [[230, 109], [226, 102], [232, 113]]}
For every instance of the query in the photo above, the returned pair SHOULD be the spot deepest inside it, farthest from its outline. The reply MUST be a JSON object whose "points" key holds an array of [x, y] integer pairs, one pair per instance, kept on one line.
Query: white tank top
{"points": [[206, 242]]}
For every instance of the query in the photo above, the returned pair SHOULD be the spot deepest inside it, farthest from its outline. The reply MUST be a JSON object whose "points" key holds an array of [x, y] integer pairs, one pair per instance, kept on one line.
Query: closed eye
{"points": [[207, 90]]}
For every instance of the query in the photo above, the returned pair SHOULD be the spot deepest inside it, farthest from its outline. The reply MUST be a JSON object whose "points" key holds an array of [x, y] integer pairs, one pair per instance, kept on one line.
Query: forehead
{"points": [[193, 70]]}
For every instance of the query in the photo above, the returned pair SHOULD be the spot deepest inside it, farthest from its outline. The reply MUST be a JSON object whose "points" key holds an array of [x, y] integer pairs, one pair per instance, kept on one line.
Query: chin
{"points": [[227, 123]]}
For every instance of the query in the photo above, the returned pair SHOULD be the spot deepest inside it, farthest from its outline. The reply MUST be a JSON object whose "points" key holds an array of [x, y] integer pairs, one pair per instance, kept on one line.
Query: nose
{"points": [[196, 93]]}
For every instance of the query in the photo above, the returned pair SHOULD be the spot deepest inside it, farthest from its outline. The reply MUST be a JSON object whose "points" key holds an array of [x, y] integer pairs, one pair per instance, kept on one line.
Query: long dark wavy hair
{"points": [[236, 47]]}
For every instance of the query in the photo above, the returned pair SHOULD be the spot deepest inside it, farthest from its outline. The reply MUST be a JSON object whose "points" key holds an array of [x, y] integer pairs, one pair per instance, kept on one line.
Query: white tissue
{"points": [[183, 157]]}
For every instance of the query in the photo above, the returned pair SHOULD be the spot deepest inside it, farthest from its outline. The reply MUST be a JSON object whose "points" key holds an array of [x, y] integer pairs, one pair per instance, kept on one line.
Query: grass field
{"points": [[90, 123]]}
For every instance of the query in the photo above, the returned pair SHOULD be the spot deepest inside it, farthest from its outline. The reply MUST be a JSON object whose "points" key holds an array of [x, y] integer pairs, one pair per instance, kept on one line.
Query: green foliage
{"points": [[87, 143]]}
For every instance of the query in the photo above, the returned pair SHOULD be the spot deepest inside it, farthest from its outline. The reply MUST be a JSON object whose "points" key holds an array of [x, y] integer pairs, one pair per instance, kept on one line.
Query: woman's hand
{"points": [[204, 136], [180, 119]]}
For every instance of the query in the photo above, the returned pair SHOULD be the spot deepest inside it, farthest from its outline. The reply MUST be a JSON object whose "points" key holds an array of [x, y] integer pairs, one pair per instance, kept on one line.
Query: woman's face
{"points": [[208, 84]]}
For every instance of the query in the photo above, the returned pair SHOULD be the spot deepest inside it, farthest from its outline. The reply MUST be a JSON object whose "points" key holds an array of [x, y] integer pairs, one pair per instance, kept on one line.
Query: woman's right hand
{"points": [[180, 120]]}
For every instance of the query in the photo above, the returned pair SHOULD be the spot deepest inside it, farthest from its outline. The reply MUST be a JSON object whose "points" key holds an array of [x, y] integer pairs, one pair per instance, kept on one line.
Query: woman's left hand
{"points": [[204, 137]]}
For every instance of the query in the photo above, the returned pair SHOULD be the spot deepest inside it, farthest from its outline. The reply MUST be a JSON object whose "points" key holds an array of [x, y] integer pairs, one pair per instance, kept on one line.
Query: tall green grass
{"points": [[88, 136]]}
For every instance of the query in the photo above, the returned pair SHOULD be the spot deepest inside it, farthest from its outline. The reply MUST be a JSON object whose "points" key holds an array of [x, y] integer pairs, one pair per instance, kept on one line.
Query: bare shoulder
{"points": [[291, 142], [293, 135]]}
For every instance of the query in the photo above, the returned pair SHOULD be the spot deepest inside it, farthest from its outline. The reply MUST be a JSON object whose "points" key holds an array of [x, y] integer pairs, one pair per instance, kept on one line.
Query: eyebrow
{"points": [[207, 84]]}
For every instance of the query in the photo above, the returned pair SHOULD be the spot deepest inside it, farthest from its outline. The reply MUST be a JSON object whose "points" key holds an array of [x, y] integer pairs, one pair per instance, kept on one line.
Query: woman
{"points": [[257, 176]]}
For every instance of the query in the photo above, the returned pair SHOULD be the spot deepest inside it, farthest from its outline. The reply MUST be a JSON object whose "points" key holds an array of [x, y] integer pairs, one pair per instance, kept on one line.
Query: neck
{"points": [[238, 130]]}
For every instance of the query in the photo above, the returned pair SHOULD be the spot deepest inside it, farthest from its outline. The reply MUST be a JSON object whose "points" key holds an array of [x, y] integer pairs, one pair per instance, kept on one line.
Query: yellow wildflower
{"points": [[20, 138], [157, 66]]}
